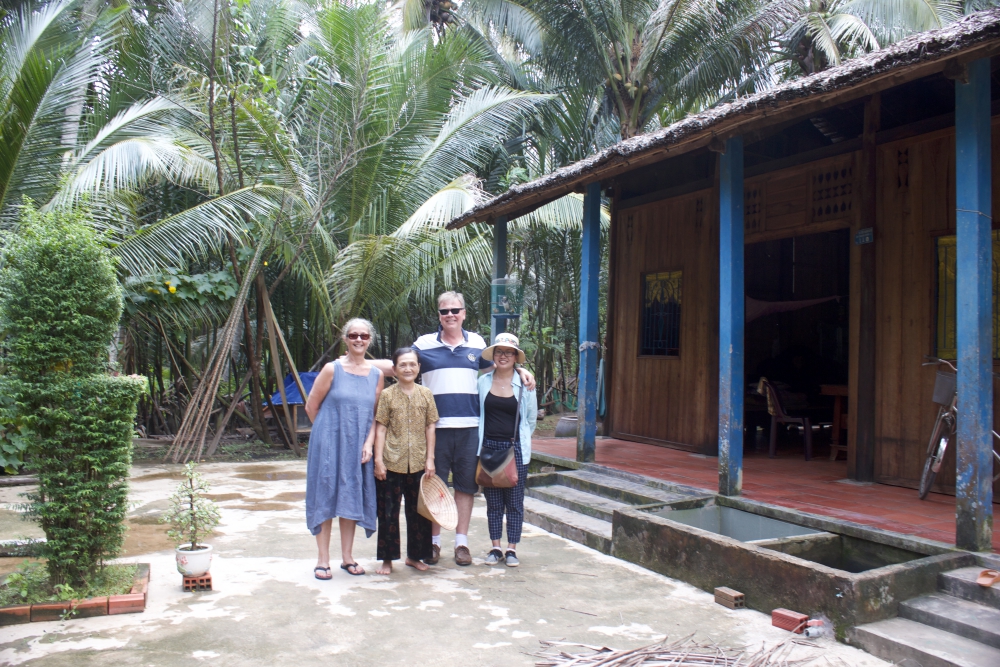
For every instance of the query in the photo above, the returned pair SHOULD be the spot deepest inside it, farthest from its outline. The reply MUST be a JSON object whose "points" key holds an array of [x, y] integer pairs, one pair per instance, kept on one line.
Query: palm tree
{"points": [[643, 57], [401, 121], [827, 31]]}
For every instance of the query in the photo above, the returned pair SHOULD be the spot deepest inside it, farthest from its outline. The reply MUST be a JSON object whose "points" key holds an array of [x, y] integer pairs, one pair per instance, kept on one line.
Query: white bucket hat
{"points": [[505, 340]]}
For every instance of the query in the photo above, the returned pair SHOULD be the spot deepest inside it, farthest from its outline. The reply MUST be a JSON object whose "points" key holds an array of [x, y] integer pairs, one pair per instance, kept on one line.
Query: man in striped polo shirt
{"points": [[450, 363]]}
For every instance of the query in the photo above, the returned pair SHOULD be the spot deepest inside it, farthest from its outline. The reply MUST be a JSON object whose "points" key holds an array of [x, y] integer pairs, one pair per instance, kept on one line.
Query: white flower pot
{"points": [[193, 563]]}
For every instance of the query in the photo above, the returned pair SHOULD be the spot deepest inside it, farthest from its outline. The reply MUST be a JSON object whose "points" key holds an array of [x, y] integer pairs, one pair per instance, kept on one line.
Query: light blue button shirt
{"points": [[529, 413]]}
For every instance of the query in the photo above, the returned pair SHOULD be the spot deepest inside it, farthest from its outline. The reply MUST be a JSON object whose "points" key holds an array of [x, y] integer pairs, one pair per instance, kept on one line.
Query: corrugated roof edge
{"points": [[935, 46]]}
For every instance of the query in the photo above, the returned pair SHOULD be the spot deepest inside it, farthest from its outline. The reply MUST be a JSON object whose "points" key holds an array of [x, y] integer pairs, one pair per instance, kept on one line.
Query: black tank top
{"points": [[500, 414]]}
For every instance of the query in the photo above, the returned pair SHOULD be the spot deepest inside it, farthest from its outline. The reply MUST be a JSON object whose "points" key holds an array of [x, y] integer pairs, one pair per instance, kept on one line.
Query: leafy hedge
{"points": [[60, 303]]}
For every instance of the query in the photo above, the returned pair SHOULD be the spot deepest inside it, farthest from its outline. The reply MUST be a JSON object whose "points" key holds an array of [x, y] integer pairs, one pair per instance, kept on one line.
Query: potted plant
{"points": [[192, 517]]}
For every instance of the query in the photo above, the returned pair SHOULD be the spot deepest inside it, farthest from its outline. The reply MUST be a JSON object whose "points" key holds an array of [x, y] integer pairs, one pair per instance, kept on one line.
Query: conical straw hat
{"points": [[435, 502]]}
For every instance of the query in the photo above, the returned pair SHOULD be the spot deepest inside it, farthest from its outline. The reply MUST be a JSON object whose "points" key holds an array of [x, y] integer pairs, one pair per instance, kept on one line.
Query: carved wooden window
{"points": [[946, 341], [661, 314], [832, 193], [753, 209]]}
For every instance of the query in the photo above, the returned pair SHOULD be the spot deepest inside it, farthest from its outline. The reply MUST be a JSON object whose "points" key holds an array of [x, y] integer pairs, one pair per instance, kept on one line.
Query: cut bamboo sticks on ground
{"points": [[680, 653]]}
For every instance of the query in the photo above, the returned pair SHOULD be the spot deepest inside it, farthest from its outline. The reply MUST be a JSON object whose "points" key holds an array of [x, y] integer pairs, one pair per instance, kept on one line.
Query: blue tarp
{"points": [[292, 389]]}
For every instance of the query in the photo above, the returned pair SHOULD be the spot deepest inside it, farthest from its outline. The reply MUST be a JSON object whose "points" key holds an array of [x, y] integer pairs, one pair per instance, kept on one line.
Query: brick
{"points": [[130, 603], [789, 620], [90, 607], [19, 613], [49, 611], [727, 597], [200, 583]]}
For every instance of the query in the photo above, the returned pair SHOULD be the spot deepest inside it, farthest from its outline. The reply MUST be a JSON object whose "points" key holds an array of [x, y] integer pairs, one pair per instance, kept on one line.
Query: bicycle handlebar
{"points": [[934, 361]]}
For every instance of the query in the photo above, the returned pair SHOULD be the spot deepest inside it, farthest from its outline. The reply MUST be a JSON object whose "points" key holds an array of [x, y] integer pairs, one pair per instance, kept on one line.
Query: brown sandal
{"points": [[987, 578]]}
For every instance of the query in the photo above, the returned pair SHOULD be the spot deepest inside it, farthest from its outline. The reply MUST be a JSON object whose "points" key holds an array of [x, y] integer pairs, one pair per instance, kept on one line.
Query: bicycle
{"points": [[946, 396]]}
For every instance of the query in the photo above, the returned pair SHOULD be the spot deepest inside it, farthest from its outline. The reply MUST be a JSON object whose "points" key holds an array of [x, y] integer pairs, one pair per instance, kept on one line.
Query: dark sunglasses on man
{"points": [[453, 311], [355, 335]]}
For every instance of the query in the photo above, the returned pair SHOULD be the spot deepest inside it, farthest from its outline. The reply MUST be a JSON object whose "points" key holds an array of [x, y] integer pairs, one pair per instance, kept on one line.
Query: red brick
{"points": [[49, 611], [19, 613], [789, 620], [130, 603], [90, 607], [199, 583]]}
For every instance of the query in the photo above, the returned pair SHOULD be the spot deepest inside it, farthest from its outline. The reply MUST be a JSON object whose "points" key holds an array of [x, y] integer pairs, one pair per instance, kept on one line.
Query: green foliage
{"points": [[172, 286], [61, 300], [59, 306], [26, 585], [29, 584], [191, 515], [15, 437]]}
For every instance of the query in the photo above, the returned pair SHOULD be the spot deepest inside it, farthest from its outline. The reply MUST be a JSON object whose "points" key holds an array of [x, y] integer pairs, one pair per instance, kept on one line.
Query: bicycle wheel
{"points": [[936, 447]]}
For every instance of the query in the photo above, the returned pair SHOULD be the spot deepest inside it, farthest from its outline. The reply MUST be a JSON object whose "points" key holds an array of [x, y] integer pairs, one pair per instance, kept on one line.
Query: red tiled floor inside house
{"points": [[809, 486]]}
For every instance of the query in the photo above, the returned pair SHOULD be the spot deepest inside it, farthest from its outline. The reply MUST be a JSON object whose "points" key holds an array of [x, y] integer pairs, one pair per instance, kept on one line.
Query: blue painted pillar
{"points": [[498, 324], [731, 318], [974, 287], [590, 274]]}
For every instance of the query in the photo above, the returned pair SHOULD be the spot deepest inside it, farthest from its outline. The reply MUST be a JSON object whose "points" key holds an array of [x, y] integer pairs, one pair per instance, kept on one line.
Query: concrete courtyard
{"points": [[268, 609]]}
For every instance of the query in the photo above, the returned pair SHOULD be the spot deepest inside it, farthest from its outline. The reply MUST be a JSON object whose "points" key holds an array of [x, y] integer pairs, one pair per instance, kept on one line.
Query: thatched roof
{"points": [[976, 36]]}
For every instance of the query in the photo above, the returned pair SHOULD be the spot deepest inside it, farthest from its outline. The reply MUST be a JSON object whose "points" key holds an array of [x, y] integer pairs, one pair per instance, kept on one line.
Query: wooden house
{"points": [[870, 182]]}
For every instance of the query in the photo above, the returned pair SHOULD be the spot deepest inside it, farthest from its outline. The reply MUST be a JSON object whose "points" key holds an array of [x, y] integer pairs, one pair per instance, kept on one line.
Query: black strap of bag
{"points": [[492, 460]]}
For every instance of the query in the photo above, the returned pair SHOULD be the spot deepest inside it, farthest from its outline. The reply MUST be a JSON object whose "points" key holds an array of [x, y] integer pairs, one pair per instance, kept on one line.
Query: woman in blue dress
{"points": [[340, 478]]}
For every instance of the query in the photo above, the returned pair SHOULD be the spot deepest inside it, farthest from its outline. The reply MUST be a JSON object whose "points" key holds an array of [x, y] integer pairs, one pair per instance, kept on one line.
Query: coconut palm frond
{"points": [[197, 231]]}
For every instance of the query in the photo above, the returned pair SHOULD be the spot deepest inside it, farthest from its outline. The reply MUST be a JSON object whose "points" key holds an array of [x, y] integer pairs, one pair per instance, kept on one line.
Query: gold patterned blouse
{"points": [[406, 418]]}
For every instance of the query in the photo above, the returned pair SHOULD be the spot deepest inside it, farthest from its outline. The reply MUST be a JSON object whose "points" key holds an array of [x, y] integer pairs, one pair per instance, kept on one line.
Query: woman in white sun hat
{"points": [[507, 415]]}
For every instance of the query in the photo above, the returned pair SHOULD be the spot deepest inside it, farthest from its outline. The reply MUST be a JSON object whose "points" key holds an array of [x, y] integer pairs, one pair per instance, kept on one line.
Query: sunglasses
{"points": [[354, 336], [453, 311], [504, 353]]}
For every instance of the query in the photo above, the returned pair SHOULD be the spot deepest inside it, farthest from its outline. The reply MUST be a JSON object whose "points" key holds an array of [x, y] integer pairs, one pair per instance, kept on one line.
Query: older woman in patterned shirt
{"points": [[404, 451]]}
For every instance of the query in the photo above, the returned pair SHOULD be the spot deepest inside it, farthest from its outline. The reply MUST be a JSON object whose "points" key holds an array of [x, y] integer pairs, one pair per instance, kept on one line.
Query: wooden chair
{"points": [[778, 416]]}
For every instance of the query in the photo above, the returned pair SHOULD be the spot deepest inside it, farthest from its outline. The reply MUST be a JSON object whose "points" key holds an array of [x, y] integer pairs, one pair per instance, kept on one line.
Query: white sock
{"points": [[461, 540], [436, 539]]}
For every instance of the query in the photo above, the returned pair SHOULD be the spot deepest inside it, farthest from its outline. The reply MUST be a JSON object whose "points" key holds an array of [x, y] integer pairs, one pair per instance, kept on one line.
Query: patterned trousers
{"points": [[506, 501], [390, 492]]}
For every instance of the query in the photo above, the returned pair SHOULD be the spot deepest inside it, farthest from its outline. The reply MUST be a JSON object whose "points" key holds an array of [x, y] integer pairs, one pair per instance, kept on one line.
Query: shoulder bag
{"points": [[497, 469]]}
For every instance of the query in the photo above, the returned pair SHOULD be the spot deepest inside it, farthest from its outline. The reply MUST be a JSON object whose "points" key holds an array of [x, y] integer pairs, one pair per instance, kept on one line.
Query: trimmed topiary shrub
{"points": [[60, 303]]}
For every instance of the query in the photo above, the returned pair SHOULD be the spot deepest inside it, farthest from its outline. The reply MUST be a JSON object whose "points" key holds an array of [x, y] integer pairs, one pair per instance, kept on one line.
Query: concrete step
{"points": [[898, 639], [587, 530], [962, 584], [598, 507], [961, 617], [615, 488]]}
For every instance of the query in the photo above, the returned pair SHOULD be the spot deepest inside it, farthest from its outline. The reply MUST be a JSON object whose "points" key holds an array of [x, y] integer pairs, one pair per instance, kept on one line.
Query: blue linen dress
{"points": [[337, 485]]}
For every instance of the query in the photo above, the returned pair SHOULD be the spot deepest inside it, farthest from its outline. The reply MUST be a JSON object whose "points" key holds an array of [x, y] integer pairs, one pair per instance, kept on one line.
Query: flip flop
{"points": [[317, 570], [988, 577], [357, 569]]}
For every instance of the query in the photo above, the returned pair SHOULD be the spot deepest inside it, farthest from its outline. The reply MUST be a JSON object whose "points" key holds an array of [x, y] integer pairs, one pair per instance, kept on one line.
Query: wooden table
{"points": [[839, 393]]}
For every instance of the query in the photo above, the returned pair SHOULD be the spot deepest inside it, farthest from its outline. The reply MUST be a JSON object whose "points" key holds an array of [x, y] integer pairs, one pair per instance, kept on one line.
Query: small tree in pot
{"points": [[192, 517]]}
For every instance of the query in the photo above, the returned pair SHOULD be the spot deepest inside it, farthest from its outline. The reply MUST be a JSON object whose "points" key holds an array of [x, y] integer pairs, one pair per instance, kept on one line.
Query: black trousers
{"points": [[390, 492]]}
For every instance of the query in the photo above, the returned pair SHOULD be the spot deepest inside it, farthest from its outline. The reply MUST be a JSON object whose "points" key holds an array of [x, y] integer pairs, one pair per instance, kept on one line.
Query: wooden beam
{"points": [[276, 362], [974, 294], [609, 336], [498, 324], [731, 318], [861, 383], [590, 278], [269, 312]]}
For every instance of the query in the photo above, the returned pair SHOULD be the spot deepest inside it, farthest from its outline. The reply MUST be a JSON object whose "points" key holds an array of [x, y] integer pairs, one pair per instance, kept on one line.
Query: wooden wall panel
{"points": [[916, 203], [671, 401], [674, 401]]}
